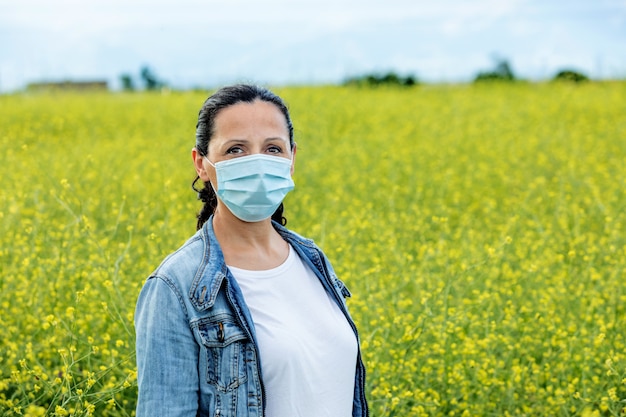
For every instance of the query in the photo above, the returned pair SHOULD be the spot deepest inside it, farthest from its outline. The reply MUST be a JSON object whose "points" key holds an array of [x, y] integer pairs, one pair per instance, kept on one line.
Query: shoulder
{"points": [[180, 267], [194, 268], [295, 238], [172, 270], [169, 284], [306, 248]]}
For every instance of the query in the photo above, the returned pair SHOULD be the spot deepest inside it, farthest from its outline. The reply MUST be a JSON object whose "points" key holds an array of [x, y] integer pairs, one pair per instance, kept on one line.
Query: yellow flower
{"points": [[60, 411]]}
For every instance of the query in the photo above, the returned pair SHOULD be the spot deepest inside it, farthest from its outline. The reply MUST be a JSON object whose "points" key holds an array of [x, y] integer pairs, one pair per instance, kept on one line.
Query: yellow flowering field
{"points": [[480, 228]]}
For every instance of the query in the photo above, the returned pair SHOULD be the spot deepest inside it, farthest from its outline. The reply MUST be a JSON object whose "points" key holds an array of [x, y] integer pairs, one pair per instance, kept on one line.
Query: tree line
{"points": [[501, 72]]}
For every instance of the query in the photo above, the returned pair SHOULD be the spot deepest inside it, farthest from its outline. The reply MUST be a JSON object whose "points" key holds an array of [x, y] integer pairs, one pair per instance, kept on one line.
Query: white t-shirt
{"points": [[308, 349]]}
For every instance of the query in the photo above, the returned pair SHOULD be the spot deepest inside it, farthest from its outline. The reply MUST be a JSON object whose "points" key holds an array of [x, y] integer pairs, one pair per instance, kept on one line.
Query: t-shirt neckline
{"points": [[265, 273]]}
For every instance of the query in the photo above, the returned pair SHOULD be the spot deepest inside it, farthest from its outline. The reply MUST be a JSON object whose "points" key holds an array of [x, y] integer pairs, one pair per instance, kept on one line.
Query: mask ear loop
{"points": [[209, 161]]}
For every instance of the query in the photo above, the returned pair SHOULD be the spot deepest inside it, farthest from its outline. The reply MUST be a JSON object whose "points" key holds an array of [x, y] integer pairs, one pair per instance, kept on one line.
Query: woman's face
{"points": [[245, 129]]}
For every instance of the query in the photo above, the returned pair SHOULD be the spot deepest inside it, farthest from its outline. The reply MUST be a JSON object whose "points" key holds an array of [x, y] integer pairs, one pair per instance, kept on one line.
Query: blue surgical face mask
{"points": [[252, 187]]}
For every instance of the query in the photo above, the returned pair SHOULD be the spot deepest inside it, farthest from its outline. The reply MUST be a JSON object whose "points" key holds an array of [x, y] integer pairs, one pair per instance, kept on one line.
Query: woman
{"points": [[247, 318]]}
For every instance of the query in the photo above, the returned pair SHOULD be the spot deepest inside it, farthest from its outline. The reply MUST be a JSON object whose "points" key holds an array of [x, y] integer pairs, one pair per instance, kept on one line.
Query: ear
{"points": [[200, 165], [293, 158]]}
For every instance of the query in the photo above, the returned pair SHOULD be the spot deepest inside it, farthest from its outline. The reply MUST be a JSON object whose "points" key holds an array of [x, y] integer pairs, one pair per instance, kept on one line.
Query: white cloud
{"points": [[318, 39], [103, 14]]}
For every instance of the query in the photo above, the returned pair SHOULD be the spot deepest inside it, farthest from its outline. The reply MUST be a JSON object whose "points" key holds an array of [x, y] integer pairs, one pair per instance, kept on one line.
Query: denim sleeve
{"points": [[167, 353]]}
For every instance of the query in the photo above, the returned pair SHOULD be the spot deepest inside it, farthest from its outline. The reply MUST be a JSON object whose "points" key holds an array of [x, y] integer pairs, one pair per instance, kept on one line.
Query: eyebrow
{"points": [[266, 140]]}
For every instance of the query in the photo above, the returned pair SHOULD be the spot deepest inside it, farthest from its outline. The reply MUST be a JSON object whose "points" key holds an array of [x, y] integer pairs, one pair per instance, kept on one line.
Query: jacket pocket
{"points": [[225, 350]]}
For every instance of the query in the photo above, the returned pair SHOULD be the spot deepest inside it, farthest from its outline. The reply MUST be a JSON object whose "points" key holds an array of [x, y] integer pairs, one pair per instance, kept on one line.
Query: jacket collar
{"points": [[213, 270]]}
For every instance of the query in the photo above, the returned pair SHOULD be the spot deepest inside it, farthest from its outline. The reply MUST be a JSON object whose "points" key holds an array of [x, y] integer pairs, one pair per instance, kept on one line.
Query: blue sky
{"points": [[205, 43]]}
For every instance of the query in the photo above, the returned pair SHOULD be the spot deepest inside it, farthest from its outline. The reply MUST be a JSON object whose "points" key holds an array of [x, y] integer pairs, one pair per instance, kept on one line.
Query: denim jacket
{"points": [[197, 353]]}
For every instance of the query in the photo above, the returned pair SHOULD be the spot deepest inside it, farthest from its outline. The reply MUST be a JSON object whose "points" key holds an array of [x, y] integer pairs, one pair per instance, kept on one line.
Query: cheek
{"points": [[211, 176]]}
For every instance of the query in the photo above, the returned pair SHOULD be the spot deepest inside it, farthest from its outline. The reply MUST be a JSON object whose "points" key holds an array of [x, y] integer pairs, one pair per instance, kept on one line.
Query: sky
{"points": [[207, 43]]}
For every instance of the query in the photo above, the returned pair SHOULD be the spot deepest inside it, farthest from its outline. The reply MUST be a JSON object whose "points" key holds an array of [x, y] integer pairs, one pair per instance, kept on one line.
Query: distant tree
{"points": [[390, 78], [409, 81], [501, 72], [127, 82], [373, 80], [571, 76], [150, 80]]}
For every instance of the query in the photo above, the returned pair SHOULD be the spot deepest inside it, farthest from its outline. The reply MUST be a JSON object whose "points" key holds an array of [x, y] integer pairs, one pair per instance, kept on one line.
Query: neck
{"points": [[233, 232], [253, 246]]}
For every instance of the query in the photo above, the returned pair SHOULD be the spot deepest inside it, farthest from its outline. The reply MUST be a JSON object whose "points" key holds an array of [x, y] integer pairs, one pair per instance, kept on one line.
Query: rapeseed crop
{"points": [[481, 230]]}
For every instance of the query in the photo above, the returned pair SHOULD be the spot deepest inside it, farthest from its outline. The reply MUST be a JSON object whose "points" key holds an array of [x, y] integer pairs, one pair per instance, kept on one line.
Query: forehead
{"points": [[249, 120]]}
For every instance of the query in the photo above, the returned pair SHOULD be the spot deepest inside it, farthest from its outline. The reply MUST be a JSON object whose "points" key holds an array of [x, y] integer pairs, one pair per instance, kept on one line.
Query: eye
{"points": [[234, 150], [274, 149]]}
